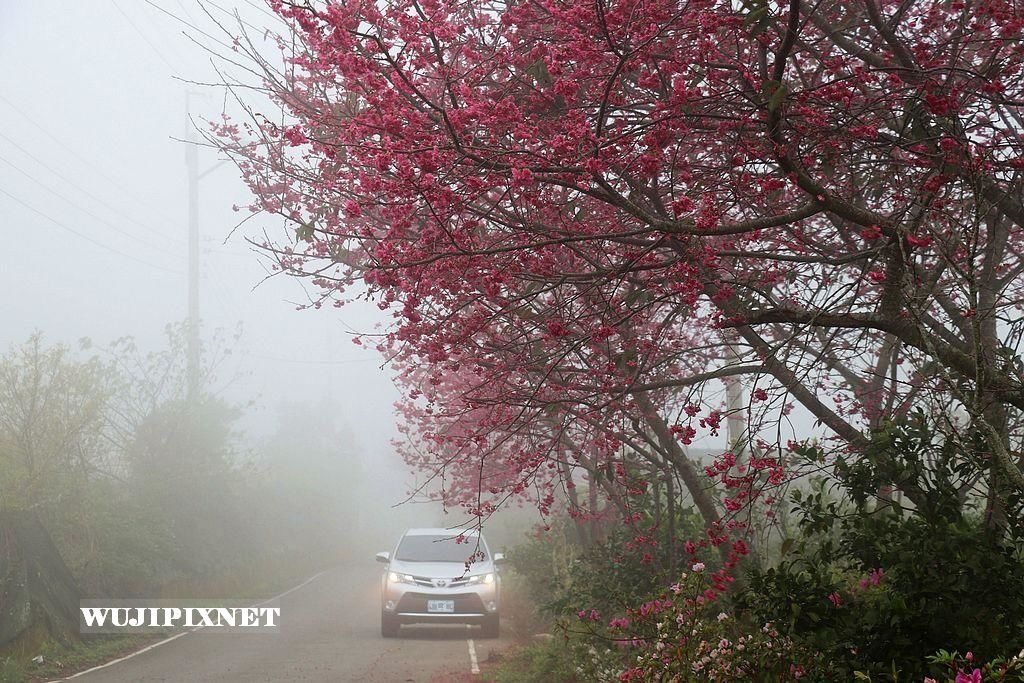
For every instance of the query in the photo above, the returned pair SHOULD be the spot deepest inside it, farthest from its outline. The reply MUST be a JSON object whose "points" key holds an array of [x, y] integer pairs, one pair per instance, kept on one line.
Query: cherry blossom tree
{"points": [[585, 216]]}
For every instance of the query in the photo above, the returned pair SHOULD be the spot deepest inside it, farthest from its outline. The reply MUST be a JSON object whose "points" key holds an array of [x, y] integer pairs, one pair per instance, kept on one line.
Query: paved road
{"points": [[330, 631]]}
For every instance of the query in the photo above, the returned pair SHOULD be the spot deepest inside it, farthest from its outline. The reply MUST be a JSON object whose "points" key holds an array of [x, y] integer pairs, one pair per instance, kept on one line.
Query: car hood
{"points": [[440, 570]]}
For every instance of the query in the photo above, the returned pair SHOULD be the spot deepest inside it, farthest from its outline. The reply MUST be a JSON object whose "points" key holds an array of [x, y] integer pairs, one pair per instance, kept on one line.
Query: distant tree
{"points": [[52, 443], [183, 464], [52, 423], [110, 483], [313, 458]]}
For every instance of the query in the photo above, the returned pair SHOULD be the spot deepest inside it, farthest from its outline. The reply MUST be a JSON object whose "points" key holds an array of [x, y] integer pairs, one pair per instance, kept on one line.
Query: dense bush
{"points": [[860, 584], [627, 564], [878, 586], [539, 662], [888, 591], [581, 589], [677, 634]]}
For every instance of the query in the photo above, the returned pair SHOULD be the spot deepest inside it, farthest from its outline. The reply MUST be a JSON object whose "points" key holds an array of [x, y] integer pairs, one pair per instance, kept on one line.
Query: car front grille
{"points": [[465, 603], [428, 582]]}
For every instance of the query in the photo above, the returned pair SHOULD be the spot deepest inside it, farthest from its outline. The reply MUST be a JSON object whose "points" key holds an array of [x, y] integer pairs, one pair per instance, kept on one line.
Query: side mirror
{"points": [[499, 559], [384, 557]]}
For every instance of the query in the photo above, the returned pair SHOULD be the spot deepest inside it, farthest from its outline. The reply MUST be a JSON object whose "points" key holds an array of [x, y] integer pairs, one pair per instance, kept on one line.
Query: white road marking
{"points": [[291, 590], [474, 667], [129, 656], [193, 630]]}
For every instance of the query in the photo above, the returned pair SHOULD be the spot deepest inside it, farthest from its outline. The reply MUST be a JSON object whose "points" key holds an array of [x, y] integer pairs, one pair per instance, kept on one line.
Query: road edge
{"points": [[155, 645]]}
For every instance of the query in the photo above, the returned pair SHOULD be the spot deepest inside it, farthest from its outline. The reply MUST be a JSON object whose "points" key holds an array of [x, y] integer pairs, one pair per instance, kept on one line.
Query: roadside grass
{"points": [[59, 659], [12, 671], [546, 661], [536, 656], [63, 660]]}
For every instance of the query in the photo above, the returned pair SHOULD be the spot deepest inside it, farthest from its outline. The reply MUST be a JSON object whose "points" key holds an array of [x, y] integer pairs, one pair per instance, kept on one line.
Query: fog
{"points": [[95, 206], [719, 346], [95, 104], [95, 184], [94, 113], [284, 463]]}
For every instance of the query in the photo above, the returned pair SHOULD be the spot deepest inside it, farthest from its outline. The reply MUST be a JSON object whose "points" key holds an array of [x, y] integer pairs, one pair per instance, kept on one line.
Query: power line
{"points": [[263, 10], [185, 10], [192, 26], [84, 191], [66, 148], [143, 36], [147, 20], [86, 237], [310, 361], [234, 15], [83, 209]]}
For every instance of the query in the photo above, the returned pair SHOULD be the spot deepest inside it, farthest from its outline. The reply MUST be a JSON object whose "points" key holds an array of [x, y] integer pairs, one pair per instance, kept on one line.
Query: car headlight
{"points": [[482, 578], [395, 577]]}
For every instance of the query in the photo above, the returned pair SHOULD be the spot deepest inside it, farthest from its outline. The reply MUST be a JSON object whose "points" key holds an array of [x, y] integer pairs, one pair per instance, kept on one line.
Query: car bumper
{"points": [[471, 605]]}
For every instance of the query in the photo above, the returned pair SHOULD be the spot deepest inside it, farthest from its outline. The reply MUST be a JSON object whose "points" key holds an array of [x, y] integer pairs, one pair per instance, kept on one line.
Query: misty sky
{"points": [[93, 190], [90, 109]]}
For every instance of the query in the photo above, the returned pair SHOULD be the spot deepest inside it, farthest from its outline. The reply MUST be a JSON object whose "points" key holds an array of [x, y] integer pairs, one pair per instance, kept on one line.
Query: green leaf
{"points": [[755, 15], [778, 95], [758, 20], [539, 71], [305, 232]]}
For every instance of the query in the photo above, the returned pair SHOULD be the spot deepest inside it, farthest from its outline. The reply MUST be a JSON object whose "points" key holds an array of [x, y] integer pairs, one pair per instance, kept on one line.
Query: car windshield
{"points": [[439, 549]]}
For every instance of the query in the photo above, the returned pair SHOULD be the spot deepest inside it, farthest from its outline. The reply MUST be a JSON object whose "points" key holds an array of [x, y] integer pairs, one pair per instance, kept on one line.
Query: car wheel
{"points": [[491, 628], [388, 625]]}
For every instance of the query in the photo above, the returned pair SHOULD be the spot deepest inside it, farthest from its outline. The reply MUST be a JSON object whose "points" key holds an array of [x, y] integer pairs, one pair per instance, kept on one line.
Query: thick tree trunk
{"points": [[38, 594], [698, 488]]}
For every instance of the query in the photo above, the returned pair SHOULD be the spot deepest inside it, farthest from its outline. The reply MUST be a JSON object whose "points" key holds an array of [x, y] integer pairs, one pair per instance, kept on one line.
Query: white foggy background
{"points": [[89, 93], [93, 109]]}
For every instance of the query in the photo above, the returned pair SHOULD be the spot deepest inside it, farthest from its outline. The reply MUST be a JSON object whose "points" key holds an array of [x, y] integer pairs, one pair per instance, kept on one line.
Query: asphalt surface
{"points": [[330, 631]]}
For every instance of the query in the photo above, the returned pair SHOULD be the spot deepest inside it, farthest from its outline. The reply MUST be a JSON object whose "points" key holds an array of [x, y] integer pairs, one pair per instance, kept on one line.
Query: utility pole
{"points": [[736, 421], [192, 164], [738, 434]]}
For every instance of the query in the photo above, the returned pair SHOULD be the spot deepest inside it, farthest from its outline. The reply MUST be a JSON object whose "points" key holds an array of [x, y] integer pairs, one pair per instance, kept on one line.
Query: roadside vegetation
{"points": [[115, 481], [851, 586]]}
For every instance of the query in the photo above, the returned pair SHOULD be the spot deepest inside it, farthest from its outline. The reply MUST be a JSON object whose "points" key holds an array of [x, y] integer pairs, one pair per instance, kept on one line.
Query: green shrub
{"points": [[540, 662], [878, 587], [608, 576]]}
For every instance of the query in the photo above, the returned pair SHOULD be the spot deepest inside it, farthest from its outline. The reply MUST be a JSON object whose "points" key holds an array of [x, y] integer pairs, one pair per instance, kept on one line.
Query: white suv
{"points": [[426, 581]]}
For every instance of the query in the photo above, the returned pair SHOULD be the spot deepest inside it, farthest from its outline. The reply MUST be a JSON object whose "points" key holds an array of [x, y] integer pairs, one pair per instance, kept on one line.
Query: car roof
{"points": [[441, 531]]}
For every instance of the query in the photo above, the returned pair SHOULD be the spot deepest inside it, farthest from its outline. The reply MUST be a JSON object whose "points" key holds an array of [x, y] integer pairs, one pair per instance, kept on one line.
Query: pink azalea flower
{"points": [[973, 677]]}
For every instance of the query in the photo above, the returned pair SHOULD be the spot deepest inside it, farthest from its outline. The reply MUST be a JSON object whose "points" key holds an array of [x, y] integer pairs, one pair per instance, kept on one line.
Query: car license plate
{"points": [[447, 606]]}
